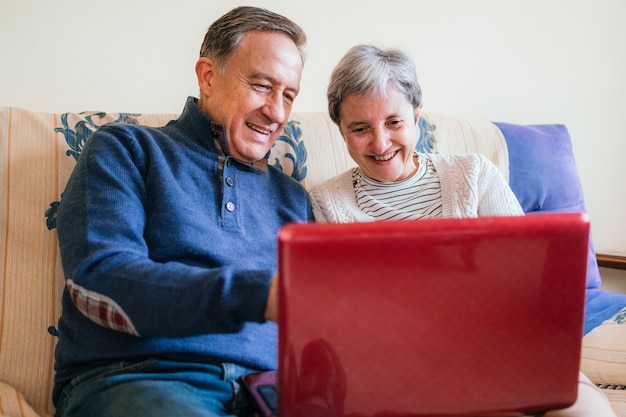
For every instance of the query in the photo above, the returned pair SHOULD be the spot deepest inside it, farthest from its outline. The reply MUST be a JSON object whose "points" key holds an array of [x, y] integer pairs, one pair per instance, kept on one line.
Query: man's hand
{"points": [[271, 309]]}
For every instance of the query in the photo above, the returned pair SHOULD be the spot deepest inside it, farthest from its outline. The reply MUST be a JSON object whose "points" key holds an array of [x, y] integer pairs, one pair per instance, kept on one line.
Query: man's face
{"points": [[254, 95]]}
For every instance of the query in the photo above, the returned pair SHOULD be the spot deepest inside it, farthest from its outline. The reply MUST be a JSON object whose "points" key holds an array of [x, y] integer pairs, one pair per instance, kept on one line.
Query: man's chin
{"points": [[253, 155]]}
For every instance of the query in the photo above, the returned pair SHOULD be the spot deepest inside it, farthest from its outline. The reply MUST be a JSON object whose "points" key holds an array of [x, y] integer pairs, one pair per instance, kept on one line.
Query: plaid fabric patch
{"points": [[217, 132], [100, 309], [221, 148]]}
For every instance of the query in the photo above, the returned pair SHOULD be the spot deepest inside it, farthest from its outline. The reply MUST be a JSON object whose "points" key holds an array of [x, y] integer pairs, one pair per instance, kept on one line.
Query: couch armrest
{"points": [[603, 357], [13, 403], [611, 261]]}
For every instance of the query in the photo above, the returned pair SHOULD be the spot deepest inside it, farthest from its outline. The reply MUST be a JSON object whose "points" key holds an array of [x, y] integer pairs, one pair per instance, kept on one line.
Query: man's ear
{"points": [[205, 69], [341, 132]]}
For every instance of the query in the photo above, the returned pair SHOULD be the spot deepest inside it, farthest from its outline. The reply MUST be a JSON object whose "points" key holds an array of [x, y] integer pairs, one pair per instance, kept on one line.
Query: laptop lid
{"points": [[431, 317]]}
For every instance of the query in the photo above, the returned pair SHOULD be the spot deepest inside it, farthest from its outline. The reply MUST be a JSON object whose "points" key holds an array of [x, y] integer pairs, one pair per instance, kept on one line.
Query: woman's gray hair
{"points": [[225, 34], [368, 71]]}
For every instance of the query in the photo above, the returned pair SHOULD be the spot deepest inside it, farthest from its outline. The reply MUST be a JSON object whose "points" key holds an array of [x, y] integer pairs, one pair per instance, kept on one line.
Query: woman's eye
{"points": [[396, 123]]}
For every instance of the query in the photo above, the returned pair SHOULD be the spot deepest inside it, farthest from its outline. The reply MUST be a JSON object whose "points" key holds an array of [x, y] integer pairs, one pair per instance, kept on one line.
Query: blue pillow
{"points": [[544, 176]]}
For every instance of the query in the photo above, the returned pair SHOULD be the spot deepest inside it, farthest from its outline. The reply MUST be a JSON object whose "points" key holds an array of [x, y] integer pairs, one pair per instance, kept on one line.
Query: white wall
{"points": [[522, 61]]}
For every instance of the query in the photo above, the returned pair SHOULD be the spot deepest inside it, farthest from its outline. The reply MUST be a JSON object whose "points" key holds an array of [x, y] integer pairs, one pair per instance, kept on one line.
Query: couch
{"points": [[38, 151]]}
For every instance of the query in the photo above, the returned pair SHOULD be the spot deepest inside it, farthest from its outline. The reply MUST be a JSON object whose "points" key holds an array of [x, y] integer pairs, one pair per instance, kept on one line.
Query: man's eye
{"points": [[289, 98], [359, 130], [262, 87]]}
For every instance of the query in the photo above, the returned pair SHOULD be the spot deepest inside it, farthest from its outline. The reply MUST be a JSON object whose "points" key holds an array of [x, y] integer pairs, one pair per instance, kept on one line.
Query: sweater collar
{"points": [[201, 123]]}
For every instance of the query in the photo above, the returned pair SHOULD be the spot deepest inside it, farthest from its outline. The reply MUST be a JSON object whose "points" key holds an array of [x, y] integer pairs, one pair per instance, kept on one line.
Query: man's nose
{"points": [[274, 108]]}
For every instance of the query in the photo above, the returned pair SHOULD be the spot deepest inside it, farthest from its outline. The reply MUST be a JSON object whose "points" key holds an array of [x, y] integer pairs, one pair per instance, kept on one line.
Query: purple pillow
{"points": [[544, 177]]}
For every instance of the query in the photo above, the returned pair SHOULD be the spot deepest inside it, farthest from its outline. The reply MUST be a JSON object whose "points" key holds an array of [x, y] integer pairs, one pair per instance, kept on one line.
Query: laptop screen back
{"points": [[431, 317]]}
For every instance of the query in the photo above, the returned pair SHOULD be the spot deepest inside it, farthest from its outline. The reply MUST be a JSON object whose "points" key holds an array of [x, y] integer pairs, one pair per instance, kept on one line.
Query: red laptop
{"points": [[448, 317]]}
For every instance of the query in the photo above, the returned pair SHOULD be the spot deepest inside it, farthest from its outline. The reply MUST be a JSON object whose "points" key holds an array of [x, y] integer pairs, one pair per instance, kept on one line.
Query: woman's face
{"points": [[381, 134]]}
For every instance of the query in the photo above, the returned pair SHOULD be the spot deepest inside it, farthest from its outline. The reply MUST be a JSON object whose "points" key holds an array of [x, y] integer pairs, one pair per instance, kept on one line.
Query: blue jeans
{"points": [[156, 388]]}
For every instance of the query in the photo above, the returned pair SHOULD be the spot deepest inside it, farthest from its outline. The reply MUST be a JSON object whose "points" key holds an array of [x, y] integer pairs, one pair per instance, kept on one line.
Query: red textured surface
{"points": [[425, 322]]}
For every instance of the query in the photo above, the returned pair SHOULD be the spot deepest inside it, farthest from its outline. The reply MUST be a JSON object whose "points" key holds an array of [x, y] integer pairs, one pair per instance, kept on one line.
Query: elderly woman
{"points": [[375, 100]]}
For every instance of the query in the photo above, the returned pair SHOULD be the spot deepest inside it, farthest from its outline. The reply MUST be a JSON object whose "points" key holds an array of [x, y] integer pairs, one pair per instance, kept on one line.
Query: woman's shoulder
{"points": [[466, 162], [334, 184], [470, 158], [333, 199]]}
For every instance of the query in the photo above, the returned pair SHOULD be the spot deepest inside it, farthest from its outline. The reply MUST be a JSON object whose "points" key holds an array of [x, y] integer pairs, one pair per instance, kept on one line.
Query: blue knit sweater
{"points": [[155, 237]]}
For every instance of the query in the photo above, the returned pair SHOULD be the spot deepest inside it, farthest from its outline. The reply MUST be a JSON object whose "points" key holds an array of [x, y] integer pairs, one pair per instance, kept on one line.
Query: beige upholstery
{"points": [[35, 162]]}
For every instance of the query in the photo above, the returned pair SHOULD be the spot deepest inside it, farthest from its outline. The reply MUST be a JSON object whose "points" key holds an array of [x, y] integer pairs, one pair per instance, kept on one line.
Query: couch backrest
{"points": [[37, 154]]}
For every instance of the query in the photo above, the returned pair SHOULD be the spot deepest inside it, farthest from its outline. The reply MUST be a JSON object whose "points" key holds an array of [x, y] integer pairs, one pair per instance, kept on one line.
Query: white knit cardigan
{"points": [[471, 186]]}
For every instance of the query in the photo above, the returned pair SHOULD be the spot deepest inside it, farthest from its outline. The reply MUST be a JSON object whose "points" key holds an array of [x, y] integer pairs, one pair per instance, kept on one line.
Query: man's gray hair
{"points": [[368, 71], [225, 34]]}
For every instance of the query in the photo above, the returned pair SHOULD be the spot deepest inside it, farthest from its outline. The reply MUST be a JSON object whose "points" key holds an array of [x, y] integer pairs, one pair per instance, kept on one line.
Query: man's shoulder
{"points": [[284, 178]]}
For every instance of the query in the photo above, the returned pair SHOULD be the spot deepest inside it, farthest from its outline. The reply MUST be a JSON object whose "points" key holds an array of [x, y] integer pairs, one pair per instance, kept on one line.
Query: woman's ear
{"points": [[205, 69], [418, 113]]}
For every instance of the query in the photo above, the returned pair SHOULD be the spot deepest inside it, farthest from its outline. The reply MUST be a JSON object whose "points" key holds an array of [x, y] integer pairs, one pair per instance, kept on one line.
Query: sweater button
{"points": [[230, 206], [230, 181]]}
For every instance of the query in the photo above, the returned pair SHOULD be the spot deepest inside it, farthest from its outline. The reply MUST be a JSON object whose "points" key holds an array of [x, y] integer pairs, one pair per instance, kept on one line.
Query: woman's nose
{"points": [[380, 141]]}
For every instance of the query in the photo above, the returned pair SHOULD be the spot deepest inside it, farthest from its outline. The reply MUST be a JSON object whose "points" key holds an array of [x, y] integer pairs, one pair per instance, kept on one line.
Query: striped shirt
{"points": [[416, 197]]}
